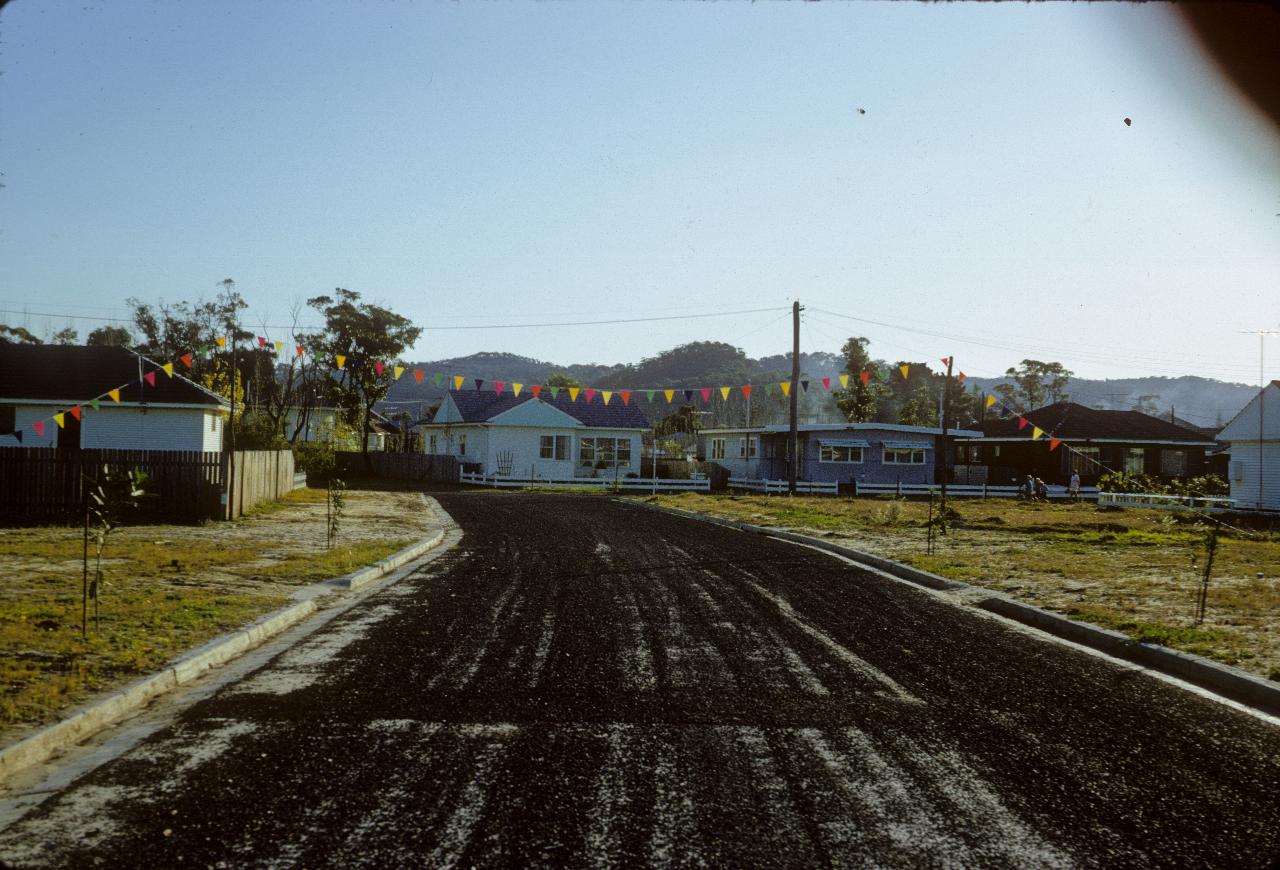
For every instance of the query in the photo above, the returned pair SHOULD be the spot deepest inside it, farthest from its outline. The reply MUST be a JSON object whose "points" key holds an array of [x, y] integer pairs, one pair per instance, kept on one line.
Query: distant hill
{"points": [[1202, 401]]}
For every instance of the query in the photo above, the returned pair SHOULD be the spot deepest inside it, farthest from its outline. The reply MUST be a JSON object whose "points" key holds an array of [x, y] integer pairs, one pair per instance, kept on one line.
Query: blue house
{"points": [[839, 452]]}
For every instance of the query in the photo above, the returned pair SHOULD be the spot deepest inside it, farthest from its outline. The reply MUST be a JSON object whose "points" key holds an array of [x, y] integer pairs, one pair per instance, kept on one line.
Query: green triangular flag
{"points": [[555, 392], [438, 378], [648, 395], [768, 389], [93, 403]]}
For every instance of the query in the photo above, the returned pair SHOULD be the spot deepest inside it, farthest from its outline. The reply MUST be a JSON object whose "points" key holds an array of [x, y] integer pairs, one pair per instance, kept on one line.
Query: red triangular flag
{"points": [[1022, 422], [150, 378], [379, 367], [75, 412], [864, 377], [536, 389], [186, 359], [626, 396], [262, 342], [498, 385], [38, 426], [946, 360], [299, 350], [826, 384], [746, 392], [590, 393], [706, 394]]}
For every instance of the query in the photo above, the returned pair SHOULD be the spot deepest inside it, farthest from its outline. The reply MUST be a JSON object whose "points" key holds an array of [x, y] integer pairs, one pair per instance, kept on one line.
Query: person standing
{"points": [[1073, 488]]}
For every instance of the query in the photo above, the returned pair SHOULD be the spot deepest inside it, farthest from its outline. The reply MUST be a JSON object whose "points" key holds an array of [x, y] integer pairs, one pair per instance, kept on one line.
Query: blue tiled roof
{"points": [[479, 406]]}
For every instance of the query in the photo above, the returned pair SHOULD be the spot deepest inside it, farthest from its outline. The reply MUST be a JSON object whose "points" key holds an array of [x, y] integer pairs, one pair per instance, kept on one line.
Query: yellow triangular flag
{"points": [[60, 419], [342, 360], [399, 371], [222, 341], [670, 394], [516, 388], [114, 394], [1036, 432], [606, 395], [168, 369], [904, 370], [573, 393], [991, 400], [457, 381], [279, 346], [786, 388], [844, 381], [724, 392]]}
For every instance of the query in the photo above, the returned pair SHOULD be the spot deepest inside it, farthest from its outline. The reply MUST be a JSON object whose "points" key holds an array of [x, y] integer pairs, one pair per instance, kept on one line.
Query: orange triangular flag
{"points": [[670, 394], [573, 393], [746, 391], [785, 386], [864, 377], [516, 388], [457, 381], [186, 359], [1053, 444], [342, 360], [75, 412], [626, 397], [607, 394], [168, 369], [724, 392], [114, 394], [418, 374], [904, 370], [536, 389], [60, 419], [960, 378], [298, 350], [844, 382]]}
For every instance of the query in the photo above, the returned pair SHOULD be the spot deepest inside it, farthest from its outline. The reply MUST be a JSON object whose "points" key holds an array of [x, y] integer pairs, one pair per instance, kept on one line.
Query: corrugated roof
{"points": [[72, 374], [478, 406], [1071, 421]]}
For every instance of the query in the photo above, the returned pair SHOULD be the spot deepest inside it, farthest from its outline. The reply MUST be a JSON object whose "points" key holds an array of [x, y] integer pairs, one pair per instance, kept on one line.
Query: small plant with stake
{"points": [[1210, 548], [335, 499], [112, 494]]}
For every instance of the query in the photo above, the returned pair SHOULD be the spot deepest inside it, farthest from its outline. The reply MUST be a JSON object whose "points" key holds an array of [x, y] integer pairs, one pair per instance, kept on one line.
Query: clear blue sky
{"points": [[503, 163]]}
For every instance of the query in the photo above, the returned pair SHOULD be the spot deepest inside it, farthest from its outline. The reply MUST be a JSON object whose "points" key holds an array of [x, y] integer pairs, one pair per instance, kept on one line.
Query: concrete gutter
{"points": [[1220, 679], [88, 721]]}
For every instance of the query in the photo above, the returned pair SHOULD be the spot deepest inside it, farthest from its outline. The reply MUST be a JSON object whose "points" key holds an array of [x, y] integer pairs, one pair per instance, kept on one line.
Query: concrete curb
{"points": [[84, 723], [1221, 679]]}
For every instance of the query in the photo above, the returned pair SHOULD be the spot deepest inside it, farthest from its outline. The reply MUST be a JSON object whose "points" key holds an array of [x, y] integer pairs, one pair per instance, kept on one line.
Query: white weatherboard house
{"points": [[1254, 435], [536, 438], [38, 381]]}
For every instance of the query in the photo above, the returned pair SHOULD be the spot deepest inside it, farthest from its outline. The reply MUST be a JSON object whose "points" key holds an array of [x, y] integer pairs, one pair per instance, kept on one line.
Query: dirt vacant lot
{"points": [[168, 589], [1136, 571]]}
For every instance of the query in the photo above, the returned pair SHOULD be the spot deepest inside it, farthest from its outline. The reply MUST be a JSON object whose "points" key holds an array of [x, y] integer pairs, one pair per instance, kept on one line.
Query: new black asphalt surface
{"points": [[586, 683]]}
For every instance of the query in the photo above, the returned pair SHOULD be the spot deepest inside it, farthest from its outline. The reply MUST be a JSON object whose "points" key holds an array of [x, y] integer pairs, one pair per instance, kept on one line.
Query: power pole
{"points": [[793, 437], [1262, 395]]}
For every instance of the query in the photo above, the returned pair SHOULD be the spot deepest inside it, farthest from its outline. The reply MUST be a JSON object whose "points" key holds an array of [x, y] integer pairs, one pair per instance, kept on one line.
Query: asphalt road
{"points": [[587, 683]]}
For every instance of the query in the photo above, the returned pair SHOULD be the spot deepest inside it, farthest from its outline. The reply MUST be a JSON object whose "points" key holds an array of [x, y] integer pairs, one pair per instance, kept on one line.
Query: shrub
{"points": [[1125, 481], [315, 458], [1200, 487]]}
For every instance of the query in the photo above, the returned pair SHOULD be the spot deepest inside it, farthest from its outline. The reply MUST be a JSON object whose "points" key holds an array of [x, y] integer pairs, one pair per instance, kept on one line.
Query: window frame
{"points": [[912, 451], [553, 447], [827, 453], [717, 448]]}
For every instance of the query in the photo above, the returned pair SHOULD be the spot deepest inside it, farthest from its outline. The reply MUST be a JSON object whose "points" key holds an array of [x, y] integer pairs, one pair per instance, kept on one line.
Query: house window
{"points": [[969, 454], [553, 447], [903, 456], [747, 448], [837, 453], [213, 423], [1173, 463], [1086, 460], [462, 445], [1134, 460], [604, 451], [431, 444], [717, 448], [8, 418]]}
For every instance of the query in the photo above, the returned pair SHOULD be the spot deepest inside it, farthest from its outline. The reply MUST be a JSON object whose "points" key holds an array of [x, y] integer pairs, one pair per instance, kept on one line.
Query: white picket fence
{"points": [[1167, 502], [822, 487], [607, 484], [769, 487]]}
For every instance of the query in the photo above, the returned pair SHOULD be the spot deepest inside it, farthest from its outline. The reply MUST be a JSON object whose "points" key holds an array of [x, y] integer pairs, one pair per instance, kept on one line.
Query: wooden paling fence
{"points": [[44, 484], [400, 466]]}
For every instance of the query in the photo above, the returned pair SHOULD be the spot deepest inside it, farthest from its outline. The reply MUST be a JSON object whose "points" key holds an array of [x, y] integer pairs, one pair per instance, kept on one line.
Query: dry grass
{"points": [[167, 589], [1137, 571]]}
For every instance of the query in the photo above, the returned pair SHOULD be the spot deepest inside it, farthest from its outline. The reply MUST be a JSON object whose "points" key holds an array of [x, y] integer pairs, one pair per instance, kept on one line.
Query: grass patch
{"points": [[332, 563]]}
